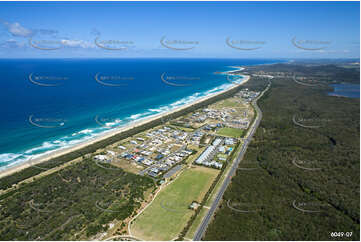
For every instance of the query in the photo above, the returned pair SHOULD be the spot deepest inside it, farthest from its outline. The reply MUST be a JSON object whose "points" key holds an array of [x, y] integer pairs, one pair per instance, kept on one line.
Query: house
{"points": [[139, 159], [216, 164], [222, 158], [147, 162], [194, 205], [160, 156], [229, 141], [112, 153], [217, 141], [102, 158], [154, 172]]}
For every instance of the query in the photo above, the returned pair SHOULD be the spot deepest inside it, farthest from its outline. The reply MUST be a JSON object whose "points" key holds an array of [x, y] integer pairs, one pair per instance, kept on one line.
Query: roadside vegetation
{"points": [[297, 183]]}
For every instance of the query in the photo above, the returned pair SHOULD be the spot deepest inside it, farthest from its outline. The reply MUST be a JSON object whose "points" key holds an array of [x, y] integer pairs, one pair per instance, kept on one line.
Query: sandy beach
{"points": [[115, 131]]}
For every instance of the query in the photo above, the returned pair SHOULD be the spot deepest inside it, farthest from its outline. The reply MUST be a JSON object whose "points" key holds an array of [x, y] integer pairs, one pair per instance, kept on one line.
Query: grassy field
{"points": [[165, 218], [229, 103], [127, 165], [231, 132]]}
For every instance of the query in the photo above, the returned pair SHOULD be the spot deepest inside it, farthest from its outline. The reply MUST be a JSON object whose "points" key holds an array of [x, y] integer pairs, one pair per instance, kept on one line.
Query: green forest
{"points": [[74, 203], [297, 183]]}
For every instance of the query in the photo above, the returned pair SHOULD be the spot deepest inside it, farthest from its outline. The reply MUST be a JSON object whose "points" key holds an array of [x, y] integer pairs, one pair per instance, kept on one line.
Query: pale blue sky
{"points": [[253, 29]]}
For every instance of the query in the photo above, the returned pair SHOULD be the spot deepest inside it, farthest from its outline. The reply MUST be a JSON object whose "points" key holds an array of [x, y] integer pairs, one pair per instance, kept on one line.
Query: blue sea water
{"points": [[50, 104], [345, 90]]}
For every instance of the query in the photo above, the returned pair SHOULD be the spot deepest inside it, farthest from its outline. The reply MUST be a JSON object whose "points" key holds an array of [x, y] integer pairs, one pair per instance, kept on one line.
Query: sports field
{"points": [[166, 217], [231, 132]]}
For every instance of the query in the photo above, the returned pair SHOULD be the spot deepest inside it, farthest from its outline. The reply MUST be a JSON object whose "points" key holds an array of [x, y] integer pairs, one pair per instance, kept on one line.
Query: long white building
{"points": [[209, 152]]}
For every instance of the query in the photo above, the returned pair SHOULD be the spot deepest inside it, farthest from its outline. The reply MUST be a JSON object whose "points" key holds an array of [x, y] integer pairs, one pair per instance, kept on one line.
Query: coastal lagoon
{"points": [[49, 104], [345, 90]]}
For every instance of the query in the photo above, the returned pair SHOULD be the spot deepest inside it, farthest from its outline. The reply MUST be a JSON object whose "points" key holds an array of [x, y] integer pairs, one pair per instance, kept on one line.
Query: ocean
{"points": [[48, 104]]}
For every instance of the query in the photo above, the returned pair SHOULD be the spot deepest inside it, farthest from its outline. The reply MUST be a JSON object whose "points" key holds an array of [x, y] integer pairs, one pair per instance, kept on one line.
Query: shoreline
{"points": [[62, 151]]}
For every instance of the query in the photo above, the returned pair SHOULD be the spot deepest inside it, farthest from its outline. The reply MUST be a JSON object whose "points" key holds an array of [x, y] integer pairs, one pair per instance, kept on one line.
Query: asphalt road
{"points": [[203, 226]]}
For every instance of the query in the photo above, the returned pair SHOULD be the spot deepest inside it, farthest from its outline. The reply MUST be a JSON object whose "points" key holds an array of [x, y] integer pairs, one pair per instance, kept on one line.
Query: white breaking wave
{"points": [[6, 157], [85, 131], [87, 134]]}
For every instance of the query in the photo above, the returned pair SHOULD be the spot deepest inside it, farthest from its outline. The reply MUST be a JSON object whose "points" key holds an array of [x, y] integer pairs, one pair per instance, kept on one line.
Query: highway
{"points": [[203, 226]]}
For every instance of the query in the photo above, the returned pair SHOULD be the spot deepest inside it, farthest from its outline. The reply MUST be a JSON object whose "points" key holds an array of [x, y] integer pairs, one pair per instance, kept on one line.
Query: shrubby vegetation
{"points": [[75, 203], [327, 73], [269, 192]]}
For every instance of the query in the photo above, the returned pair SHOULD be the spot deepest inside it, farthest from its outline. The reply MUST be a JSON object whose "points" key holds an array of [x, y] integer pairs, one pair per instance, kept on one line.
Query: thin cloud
{"points": [[17, 30], [12, 44]]}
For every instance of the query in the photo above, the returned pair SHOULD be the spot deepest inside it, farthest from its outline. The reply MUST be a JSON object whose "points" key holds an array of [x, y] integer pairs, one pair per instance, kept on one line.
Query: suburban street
{"points": [[203, 226], [143, 172]]}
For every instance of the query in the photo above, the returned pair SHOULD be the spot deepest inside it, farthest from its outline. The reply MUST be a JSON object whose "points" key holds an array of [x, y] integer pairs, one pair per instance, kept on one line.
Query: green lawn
{"points": [[231, 132], [229, 103], [165, 218]]}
